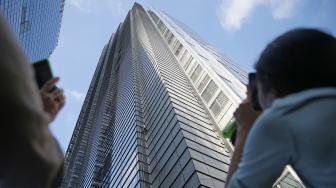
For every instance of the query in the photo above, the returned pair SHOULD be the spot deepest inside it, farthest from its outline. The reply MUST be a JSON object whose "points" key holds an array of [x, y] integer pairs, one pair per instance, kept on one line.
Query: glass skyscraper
{"points": [[36, 24], [155, 108]]}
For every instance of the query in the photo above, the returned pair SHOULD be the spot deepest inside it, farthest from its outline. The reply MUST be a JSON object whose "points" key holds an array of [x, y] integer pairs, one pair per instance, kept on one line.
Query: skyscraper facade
{"points": [[36, 24], [154, 109]]}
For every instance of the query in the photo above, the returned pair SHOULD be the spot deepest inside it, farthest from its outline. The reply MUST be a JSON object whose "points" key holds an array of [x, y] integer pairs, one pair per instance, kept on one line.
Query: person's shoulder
{"points": [[273, 124], [271, 129], [272, 118]]}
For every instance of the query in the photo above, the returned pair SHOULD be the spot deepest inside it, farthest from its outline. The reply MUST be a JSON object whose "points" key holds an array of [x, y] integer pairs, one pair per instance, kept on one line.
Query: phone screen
{"points": [[42, 72]]}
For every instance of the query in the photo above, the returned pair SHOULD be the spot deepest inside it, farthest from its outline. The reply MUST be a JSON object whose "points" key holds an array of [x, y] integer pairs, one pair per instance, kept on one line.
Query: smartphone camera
{"points": [[42, 73]]}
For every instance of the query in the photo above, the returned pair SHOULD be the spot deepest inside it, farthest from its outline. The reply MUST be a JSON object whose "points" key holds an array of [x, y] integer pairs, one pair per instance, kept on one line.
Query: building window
{"points": [[209, 91], [178, 50], [188, 63], [170, 38], [165, 31], [203, 83], [160, 25], [183, 55], [173, 43], [176, 45], [219, 103], [155, 18], [167, 34], [194, 76], [24, 24]]}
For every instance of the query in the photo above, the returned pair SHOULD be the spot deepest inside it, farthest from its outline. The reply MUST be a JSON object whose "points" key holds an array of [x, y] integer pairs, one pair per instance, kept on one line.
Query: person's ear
{"points": [[271, 96]]}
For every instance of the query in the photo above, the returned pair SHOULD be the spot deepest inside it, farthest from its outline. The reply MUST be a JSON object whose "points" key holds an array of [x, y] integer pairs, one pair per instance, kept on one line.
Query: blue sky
{"points": [[240, 29]]}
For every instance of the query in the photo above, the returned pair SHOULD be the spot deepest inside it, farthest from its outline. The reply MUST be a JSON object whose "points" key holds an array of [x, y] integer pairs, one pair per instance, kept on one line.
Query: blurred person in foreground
{"points": [[30, 155], [296, 81]]}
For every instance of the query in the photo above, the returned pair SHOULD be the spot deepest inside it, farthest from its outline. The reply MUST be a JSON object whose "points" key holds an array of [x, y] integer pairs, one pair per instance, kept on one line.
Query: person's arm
{"points": [[245, 116], [269, 147], [30, 155]]}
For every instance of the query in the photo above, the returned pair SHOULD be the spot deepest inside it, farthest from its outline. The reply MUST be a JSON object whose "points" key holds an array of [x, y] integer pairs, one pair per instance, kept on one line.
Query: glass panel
{"points": [[170, 38], [173, 43], [183, 55], [196, 73], [188, 63], [203, 83], [215, 108], [176, 45], [289, 181], [209, 91], [218, 104], [160, 25], [178, 50], [167, 34], [192, 67], [165, 31]]}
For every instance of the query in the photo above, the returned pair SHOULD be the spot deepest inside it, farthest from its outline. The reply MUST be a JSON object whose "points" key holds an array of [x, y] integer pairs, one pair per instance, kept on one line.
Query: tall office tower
{"points": [[154, 110], [36, 24]]}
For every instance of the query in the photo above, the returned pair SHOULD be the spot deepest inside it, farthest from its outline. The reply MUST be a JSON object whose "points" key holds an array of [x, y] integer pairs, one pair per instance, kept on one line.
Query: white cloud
{"points": [[83, 5], [233, 13], [117, 7], [77, 95], [283, 9]]}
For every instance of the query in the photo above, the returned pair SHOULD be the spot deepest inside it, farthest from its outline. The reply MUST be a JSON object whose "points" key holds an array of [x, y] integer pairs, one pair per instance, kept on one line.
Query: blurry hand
{"points": [[245, 116], [53, 99]]}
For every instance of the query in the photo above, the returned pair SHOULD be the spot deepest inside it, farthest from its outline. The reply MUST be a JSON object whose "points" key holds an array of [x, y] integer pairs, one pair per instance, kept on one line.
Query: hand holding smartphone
{"points": [[43, 73], [52, 97]]}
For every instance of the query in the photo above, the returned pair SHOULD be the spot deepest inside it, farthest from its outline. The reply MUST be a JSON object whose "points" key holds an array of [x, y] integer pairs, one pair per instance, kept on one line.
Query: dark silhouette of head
{"points": [[295, 61]]}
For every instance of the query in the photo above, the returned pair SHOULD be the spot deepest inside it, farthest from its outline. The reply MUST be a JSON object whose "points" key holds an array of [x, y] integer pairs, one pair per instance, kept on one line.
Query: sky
{"points": [[240, 29]]}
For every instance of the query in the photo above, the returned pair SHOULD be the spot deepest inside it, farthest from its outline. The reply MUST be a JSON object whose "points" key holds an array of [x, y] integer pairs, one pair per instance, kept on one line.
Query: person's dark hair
{"points": [[298, 60]]}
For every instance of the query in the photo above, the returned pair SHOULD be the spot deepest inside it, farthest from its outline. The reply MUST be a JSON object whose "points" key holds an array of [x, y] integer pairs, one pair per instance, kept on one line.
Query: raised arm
{"points": [[245, 117], [31, 156], [268, 149]]}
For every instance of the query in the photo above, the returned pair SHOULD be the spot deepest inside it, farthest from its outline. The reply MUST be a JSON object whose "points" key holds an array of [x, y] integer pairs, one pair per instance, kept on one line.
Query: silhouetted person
{"points": [[30, 156], [296, 79]]}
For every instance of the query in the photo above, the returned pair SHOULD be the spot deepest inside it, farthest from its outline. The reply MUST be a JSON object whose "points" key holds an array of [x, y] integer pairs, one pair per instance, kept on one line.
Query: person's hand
{"points": [[245, 116], [53, 99]]}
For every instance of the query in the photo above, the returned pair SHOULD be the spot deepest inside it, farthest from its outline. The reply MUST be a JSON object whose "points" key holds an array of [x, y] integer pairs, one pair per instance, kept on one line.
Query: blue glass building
{"points": [[36, 24], [154, 111]]}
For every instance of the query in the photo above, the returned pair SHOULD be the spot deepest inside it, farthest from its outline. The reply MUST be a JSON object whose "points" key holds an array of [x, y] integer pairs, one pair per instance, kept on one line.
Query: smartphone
{"points": [[43, 72], [254, 95]]}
